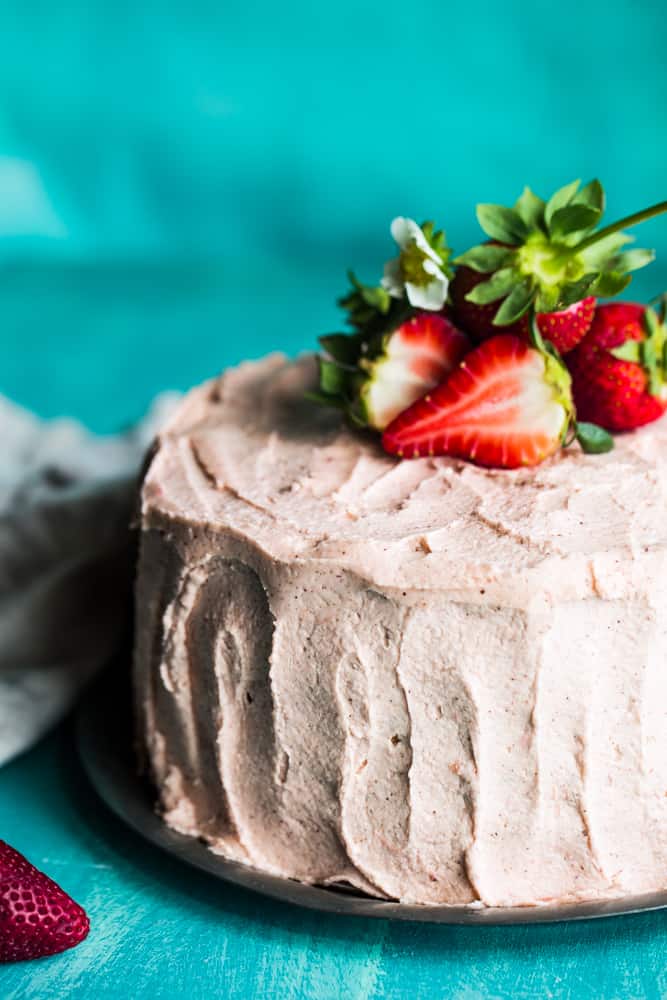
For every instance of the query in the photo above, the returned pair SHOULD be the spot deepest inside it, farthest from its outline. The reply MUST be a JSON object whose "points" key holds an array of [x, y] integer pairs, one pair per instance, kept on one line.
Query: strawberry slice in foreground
{"points": [[414, 358], [506, 405], [37, 917]]}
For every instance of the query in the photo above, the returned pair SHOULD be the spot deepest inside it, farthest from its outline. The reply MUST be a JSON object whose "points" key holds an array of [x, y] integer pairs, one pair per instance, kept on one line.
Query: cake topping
{"points": [[620, 368], [406, 370]]}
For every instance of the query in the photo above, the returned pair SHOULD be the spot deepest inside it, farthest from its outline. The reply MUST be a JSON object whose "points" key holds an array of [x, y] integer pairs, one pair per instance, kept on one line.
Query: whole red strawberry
{"points": [[37, 917], [545, 257], [506, 405], [619, 371], [564, 328]]}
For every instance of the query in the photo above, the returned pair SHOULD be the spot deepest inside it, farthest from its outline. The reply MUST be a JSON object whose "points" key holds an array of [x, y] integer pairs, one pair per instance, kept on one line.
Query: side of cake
{"points": [[438, 683]]}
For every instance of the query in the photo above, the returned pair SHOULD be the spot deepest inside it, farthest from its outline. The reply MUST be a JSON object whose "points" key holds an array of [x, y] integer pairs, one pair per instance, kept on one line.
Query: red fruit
{"points": [[505, 406], [565, 328], [414, 358], [618, 370], [37, 917]]}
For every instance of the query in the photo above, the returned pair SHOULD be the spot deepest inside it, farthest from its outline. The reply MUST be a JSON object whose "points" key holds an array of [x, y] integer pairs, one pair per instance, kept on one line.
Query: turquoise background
{"points": [[182, 186]]}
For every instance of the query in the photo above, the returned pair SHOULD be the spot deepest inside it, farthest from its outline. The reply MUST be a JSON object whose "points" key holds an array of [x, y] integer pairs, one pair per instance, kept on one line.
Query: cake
{"points": [[435, 682]]}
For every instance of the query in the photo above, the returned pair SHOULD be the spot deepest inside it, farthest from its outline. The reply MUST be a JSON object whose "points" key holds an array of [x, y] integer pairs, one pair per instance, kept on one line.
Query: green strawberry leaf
{"points": [[632, 260], [575, 291], [610, 283], [572, 219], [596, 256], [342, 347], [516, 303], [631, 350], [531, 209], [485, 258], [559, 200], [548, 299], [332, 377], [591, 195], [594, 440], [495, 288], [501, 223]]}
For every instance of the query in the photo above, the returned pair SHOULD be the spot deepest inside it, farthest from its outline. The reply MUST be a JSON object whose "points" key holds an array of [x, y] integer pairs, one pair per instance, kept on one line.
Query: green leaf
{"points": [[495, 288], [342, 347], [632, 260], [630, 350], [531, 209], [547, 299], [575, 291], [515, 304], [592, 195], [594, 440], [601, 253], [536, 338], [559, 200], [378, 298], [610, 283], [501, 223], [485, 258], [572, 219], [332, 377]]}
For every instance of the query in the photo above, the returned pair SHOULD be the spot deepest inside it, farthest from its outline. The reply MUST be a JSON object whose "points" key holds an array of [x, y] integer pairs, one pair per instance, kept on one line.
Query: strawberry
{"points": [[545, 257], [392, 369], [619, 370], [564, 328], [506, 405], [36, 917], [415, 358]]}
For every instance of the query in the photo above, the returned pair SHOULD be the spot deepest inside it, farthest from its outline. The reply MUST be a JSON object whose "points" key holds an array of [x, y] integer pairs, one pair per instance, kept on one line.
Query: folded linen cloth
{"points": [[66, 499]]}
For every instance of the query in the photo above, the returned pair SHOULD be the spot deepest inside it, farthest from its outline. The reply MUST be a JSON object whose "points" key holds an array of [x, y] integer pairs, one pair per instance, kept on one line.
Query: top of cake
{"points": [[249, 452]]}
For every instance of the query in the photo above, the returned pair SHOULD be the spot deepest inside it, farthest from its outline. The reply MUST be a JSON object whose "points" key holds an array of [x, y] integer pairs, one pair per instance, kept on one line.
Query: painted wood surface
{"points": [[163, 931]]}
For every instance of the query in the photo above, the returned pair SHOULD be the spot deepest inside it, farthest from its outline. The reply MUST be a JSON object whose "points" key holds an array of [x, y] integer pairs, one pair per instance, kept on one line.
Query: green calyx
{"points": [[549, 255], [348, 360], [650, 353], [346, 365], [593, 440]]}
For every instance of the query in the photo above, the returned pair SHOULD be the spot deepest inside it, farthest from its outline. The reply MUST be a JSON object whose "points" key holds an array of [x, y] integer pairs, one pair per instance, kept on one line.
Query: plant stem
{"points": [[629, 220]]}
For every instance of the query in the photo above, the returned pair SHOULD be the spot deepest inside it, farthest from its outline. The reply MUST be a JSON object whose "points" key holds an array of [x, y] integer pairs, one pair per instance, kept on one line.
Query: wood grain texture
{"points": [[163, 931]]}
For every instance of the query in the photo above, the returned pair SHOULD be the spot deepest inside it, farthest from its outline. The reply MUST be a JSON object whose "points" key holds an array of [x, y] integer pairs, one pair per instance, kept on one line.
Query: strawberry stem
{"points": [[629, 220]]}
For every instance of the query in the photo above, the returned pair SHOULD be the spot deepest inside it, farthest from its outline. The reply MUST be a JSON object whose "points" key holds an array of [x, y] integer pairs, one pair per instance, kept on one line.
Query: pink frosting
{"points": [[437, 682]]}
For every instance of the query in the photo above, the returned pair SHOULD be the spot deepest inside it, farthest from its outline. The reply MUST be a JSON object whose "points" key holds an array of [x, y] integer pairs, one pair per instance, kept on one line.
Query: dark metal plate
{"points": [[104, 736]]}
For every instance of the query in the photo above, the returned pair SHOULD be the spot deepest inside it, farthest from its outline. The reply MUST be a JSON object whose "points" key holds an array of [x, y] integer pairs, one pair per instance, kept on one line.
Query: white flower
{"points": [[417, 271]]}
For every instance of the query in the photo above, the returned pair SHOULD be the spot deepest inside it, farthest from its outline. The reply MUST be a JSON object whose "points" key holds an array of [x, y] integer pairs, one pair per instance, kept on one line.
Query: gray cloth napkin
{"points": [[66, 499]]}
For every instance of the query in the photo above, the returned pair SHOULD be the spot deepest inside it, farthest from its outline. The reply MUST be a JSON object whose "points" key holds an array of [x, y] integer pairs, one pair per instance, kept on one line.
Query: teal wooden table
{"points": [[159, 929]]}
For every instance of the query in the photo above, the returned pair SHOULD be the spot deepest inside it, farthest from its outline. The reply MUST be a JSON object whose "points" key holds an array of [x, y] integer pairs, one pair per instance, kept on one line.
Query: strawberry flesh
{"points": [[564, 329], [37, 917], [607, 390], [418, 355], [505, 406]]}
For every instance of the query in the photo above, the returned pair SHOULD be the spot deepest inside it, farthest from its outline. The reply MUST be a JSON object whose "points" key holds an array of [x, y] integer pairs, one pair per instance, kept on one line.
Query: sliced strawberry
{"points": [[565, 328], [414, 358], [619, 371], [37, 917], [506, 405]]}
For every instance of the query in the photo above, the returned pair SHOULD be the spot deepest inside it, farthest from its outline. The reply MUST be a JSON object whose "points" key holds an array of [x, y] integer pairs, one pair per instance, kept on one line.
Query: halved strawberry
{"points": [[619, 371], [506, 405], [414, 358], [37, 917], [373, 380]]}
